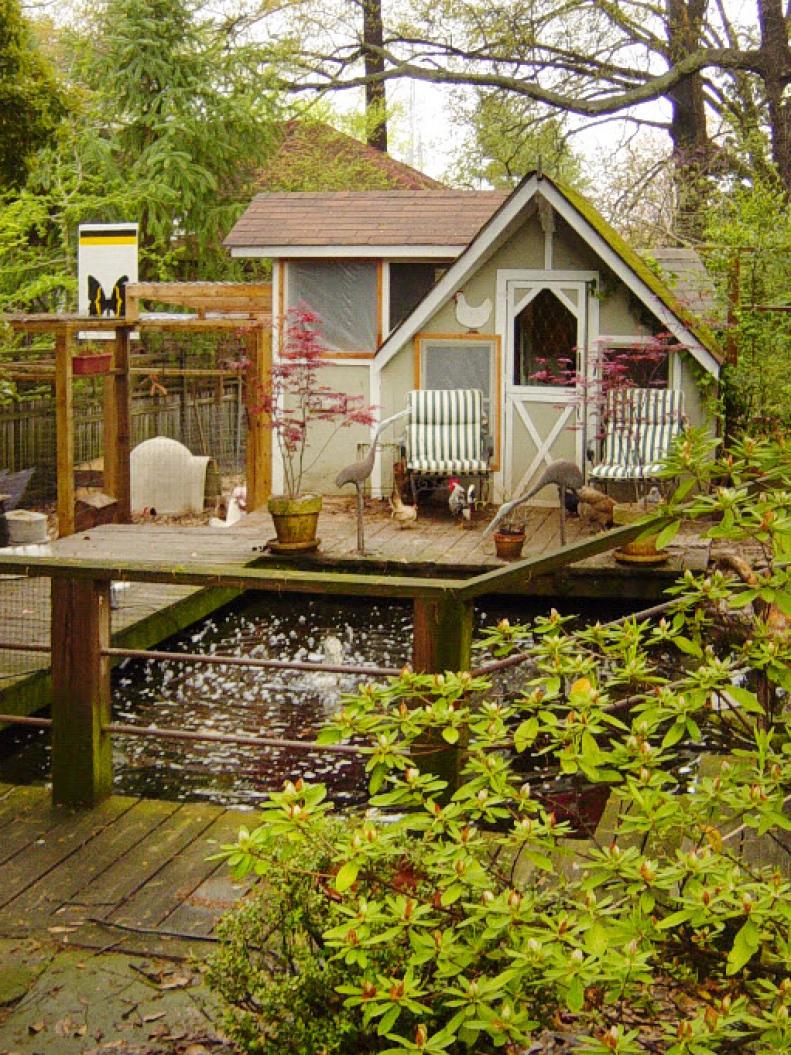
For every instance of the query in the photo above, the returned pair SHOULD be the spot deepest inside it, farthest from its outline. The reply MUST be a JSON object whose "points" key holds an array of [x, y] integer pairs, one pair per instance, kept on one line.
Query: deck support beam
{"points": [[118, 428], [442, 642], [82, 772], [259, 427], [64, 432]]}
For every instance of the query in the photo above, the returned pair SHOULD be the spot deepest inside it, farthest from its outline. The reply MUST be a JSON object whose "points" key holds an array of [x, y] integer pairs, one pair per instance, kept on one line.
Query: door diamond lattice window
{"points": [[545, 343]]}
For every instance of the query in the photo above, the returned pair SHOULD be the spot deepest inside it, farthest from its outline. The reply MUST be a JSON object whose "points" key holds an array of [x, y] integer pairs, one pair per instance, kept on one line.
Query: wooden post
{"points": [[64, 432], [259, 430], [442, 642], [82, 772], [118, 429]]}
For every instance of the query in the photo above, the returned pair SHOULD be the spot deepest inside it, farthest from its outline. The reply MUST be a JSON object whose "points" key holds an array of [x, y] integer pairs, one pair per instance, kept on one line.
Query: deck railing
{"points": [[82, 653]]}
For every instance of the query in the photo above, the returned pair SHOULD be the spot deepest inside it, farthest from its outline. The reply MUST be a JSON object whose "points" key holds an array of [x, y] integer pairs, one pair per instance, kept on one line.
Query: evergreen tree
{"points": [[30, 104]]}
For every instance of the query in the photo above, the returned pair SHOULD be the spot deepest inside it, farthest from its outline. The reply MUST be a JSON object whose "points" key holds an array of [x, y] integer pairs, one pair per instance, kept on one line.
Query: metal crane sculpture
{"points": [[564, 474], [358, 472]]}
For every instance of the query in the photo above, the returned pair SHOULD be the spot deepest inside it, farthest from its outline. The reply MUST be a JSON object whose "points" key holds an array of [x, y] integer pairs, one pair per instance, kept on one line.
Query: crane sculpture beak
{"points": [[500, 516]]}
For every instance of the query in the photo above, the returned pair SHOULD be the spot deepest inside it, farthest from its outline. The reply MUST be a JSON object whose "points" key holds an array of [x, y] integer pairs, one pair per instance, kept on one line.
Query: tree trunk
{"points": [[776, 75], [375, 99], [688, 132]]}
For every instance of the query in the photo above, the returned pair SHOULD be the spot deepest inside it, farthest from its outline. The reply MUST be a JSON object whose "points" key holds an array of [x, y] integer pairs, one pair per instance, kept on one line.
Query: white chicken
{"points": [[405, 516]]}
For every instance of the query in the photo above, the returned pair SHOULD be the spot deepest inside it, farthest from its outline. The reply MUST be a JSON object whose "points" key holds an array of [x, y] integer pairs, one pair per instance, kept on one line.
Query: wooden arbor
{"points": [[245, 308]]}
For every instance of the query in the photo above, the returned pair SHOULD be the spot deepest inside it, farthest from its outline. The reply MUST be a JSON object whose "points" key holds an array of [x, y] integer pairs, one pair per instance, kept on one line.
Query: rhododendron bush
{"points": [[448, 920]]}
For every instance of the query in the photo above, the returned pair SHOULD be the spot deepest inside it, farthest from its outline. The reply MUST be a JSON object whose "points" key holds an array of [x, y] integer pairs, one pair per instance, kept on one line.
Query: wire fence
{"points": [[189, 391]]}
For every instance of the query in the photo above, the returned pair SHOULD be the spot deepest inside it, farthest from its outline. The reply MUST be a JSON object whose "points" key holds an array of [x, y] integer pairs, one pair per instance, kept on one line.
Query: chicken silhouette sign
{"points": [[107, 261]]}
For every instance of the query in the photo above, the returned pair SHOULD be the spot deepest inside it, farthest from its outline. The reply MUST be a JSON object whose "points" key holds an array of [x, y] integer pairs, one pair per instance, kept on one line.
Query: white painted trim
{"points": [[385, 297], [633, 281], [641, 341], [356, 252], [279, 277], [458, 273], [516, 397], [347, 362], [375, 399]]}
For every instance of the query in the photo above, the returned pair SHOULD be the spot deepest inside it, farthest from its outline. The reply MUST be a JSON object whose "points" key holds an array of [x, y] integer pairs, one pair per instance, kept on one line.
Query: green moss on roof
{"points": [[644, 272]]}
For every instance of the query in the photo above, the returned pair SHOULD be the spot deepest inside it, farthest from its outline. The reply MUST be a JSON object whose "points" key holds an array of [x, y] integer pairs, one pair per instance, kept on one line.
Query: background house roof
{"points": [[686, 275], [361, 218], [313, 156]]}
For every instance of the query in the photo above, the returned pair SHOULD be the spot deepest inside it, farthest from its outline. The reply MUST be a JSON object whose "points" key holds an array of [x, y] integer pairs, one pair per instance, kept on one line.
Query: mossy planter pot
{"points": [[642, 551], [295, 519]]}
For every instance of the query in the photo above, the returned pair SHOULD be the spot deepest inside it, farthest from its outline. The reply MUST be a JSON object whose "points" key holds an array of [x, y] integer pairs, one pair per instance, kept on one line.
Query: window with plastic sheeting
{"points": [[343, 295], [456, 362]]}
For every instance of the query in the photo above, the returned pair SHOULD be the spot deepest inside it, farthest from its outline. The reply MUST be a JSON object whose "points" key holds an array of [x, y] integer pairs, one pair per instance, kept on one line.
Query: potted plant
{"points": [[296, 402], [509, 538], [91, 360]]}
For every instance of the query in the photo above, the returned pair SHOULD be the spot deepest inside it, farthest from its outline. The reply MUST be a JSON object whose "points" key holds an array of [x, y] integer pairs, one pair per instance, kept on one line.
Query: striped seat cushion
{"points": [[641, 426], [444, 434]]}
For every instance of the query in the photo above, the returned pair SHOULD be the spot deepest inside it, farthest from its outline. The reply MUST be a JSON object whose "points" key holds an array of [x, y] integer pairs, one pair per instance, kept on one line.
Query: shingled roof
{"points": [[314, 156], [431, 218]]}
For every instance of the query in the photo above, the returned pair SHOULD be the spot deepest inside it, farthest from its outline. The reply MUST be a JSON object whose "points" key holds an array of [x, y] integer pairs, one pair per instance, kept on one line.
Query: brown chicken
{"points": [[595, 506]]}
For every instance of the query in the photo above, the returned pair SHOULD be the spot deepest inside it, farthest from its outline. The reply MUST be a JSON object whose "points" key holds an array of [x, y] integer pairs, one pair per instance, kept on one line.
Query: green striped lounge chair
{"points": [[445, 437], [641, 424]]}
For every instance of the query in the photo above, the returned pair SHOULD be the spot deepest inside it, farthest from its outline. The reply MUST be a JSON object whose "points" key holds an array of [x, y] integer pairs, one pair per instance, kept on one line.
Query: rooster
{"points": [[460, 502]]}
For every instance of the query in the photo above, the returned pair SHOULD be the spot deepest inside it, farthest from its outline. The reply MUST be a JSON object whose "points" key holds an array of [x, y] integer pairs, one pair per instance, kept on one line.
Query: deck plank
{"points": [[45, 897], [72, 833], [174, 883], [138, 863]]}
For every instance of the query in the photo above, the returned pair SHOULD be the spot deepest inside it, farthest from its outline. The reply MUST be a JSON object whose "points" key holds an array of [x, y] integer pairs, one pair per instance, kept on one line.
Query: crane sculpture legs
{"points": [[360, 519]]}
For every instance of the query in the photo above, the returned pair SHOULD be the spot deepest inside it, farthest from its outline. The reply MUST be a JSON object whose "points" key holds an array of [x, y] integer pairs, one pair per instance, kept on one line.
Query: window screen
{"points": [[344, 297], [409, 283], [460, 364], [545, 342]]}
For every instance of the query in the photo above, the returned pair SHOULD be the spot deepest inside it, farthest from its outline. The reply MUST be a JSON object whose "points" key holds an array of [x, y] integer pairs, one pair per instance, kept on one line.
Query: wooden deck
{"points": [[131, 874], [149, 613]]}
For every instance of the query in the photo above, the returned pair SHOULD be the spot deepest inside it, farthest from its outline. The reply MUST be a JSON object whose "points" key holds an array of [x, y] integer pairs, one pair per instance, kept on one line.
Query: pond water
{"points": [[247, 701]]}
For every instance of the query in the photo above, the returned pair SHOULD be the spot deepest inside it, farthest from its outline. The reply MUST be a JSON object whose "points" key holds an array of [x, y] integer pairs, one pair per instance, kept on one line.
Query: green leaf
{"points": [[747, 700], [745, 945], [683, 644], [526, 734], [596, 939], [450, 734], [674, 733], [453, 893], [346, 876], [575, 995], [667, 534], [388, 1020], [378, 775]]}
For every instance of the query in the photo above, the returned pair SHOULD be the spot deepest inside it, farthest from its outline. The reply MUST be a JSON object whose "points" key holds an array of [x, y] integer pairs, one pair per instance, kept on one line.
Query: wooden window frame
{"points": [[492, 339]]}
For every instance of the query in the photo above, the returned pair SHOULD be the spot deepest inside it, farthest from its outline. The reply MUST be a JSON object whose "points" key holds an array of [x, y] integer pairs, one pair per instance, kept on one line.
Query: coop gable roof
{"points": [[591, 226], [434, 223]]}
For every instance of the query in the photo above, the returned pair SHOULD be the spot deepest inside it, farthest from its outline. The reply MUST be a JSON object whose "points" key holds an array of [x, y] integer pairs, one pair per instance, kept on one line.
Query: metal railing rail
{"points": [[82, 652]]}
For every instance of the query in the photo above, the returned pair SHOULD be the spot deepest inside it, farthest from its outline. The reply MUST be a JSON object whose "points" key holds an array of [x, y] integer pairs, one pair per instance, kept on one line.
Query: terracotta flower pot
{"points": [[508, 544], [295, 519]]}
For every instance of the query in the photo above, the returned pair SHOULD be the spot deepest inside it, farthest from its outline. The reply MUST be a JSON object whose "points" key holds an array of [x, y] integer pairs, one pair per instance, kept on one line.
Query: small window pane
{"points": [[545, 343], [460, 364], [409, 283], [344, 297], [640, 366]]}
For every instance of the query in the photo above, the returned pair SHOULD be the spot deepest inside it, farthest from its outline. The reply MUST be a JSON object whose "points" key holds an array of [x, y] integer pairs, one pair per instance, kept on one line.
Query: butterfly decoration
{"points": [[99, 303]]}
